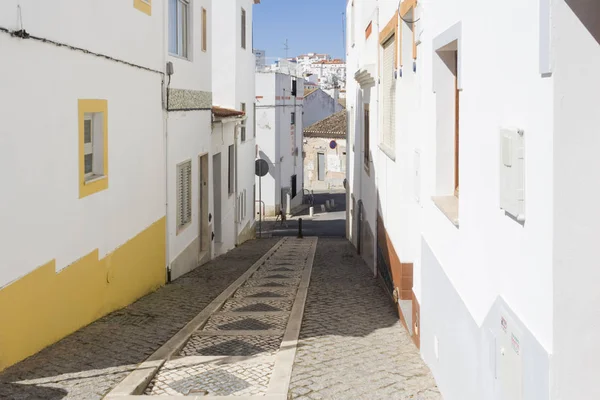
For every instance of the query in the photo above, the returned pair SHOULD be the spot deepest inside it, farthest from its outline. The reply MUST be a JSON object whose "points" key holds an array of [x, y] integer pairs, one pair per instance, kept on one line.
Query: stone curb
{"points": [[138, 380]]}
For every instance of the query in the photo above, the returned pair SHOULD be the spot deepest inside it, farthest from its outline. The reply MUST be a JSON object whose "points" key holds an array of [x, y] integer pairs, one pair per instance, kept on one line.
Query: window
{"points": [[447, 102], [231, 170], [243, 127], [366, 130], [321, 166], [294, 87], [352, 24], [184, 194], [144, 6], [388, 82], [93, 146], [243, 28], [293, 115], [178, 27], [204, 30]]}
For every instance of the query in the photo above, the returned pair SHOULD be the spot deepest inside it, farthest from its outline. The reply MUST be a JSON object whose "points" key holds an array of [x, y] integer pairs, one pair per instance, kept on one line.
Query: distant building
{"points": [[319, 105], [324, 148], [261, 59], [279, 139]]}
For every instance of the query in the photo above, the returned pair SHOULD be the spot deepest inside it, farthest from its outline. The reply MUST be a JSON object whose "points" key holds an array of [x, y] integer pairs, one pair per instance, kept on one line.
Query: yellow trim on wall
{"points": [[45, 306], [144, 6], [96, 185]]}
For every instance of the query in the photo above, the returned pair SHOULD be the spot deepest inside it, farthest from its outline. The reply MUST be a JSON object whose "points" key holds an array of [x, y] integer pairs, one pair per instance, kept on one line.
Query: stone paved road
{"points": [[351, 344], [88, 363]]}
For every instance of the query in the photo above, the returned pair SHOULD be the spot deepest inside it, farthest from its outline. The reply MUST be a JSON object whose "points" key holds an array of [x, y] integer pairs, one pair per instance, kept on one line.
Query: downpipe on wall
{"points": [[165, 101]]}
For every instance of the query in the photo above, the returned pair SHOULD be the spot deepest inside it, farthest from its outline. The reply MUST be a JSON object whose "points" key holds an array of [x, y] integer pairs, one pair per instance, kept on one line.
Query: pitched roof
{"points": [[221, 112], [308, 92], [333, 126]]}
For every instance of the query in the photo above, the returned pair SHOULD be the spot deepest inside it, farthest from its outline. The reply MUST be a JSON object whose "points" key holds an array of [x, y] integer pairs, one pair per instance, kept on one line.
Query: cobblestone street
{"points": [[352, 345], [88, 363]]}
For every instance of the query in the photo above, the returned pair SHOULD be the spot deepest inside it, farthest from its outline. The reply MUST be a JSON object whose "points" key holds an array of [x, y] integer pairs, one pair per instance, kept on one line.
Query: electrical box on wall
{"points": [[509, 363], [512, 172]]}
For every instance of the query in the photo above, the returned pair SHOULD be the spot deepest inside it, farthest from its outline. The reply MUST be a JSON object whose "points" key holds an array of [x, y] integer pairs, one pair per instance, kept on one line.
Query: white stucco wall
{"points": [[317, 106], [188, 134], [576, 55], [40, 208], [489, 255], [274, 134]]}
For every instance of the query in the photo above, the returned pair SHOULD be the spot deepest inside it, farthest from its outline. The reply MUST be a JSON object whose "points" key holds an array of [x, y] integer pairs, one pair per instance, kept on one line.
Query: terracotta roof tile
{"points": [[221, 112], [332, 126]]}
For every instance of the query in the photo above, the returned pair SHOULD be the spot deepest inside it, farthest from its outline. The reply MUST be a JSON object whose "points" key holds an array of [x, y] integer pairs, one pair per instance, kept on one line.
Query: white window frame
{"points": [[243, 28], [88, 147], [181, 30], [95, 147], [243, 125]]}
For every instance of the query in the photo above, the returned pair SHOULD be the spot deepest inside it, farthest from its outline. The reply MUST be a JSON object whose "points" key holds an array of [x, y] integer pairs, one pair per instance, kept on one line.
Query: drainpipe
{"points": [[236, 210], [165, 107]]}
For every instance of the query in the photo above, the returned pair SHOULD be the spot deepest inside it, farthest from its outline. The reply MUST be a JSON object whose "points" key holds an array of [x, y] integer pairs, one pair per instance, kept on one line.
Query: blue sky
{"points": [[309, 25]]}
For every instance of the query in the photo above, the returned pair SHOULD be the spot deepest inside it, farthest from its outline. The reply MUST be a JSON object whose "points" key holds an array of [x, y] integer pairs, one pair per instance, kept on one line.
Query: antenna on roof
{"points": [[286, 48]]}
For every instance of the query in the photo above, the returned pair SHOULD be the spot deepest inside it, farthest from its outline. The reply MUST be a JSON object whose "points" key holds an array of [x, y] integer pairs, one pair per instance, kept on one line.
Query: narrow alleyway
{"points": [[302, 317], [88, 363], [352, 345]]}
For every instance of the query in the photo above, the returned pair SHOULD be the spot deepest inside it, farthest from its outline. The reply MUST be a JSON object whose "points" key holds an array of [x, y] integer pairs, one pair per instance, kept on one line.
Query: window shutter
{"points": [[184, 193], [389, 94]]}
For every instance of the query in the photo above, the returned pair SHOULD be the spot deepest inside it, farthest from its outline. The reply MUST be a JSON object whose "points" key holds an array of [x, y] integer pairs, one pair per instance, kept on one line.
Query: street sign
{"points": [[332, 144], [261, 167]]}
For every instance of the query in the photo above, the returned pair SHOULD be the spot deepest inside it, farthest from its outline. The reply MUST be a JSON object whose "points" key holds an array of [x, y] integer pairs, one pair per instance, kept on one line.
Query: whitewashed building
{"points": [[117, 196], [279, 104], [318, 105], [188, 127], [233, 136], [469, 186], [82, 165], [324, 146]]}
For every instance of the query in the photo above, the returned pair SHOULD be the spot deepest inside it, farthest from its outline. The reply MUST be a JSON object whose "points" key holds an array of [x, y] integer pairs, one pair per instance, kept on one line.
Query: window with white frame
{"points": [[184, 194], [243, 27], [179, 27], [231, 170], [243, 127], [388, 83], [93, 145]]}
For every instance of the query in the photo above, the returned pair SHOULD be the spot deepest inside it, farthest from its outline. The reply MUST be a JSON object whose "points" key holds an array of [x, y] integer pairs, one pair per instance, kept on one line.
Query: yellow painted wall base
{"points": [[44, 306]]}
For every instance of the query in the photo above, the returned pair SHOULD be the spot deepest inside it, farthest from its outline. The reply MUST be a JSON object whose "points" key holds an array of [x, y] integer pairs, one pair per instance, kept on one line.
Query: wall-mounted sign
{"points": [[332, 144]]}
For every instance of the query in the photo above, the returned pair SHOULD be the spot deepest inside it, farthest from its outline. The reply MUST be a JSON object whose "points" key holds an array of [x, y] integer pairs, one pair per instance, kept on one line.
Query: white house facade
{"points": [[83, 165], [188, 127], [318, 105], [468, 186], [279, 104], [110, 187], [233, 137]]}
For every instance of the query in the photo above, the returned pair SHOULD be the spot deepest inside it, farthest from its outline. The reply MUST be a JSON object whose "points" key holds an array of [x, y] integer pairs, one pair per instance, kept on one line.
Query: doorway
{"points": [[217, 184], [203, 224]]}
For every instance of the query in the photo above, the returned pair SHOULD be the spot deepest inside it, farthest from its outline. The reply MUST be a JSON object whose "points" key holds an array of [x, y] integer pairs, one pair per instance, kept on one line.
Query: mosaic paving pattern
{"points": [[214, 379], [266, 299], [271, 283], [244, 305], [265, 292], [259, 322], [231, 345]]}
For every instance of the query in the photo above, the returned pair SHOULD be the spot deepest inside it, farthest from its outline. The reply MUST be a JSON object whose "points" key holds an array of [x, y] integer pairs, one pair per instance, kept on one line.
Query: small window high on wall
{"points": [[388, 84]]}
